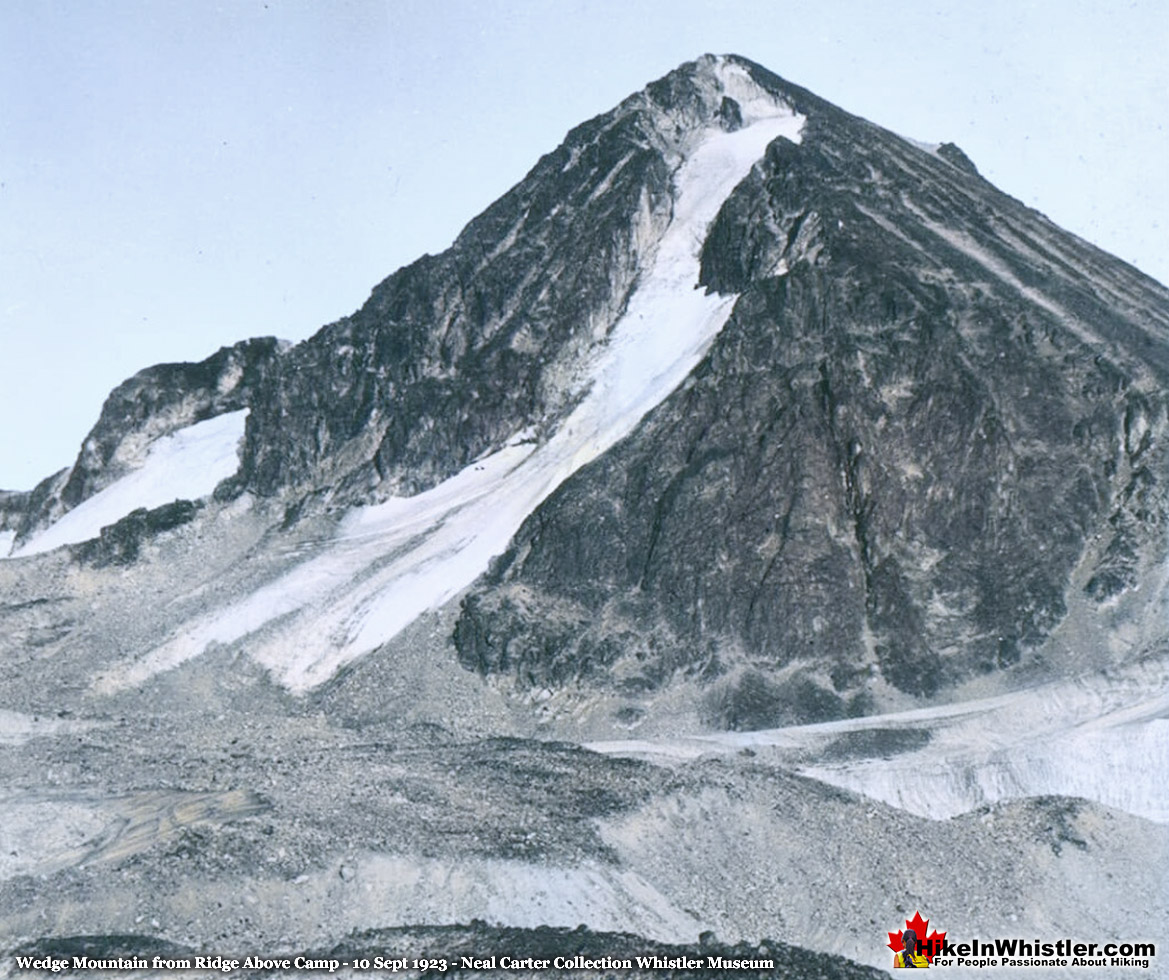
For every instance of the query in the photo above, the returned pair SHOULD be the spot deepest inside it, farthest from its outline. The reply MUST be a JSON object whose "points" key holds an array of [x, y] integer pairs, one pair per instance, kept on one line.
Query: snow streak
{"points": [[395, 561]]}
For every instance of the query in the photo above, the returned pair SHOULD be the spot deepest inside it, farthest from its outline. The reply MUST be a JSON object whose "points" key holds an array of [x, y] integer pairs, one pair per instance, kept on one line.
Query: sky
{"points": [[176, 175]]}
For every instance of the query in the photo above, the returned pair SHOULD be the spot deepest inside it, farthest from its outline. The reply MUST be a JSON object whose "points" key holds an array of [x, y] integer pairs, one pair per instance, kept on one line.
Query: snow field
{"points": [[185, 465], [1101, 738], [1119, 763]]}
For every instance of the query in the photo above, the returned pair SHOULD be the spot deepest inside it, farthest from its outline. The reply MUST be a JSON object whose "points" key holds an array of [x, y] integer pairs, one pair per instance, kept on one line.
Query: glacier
{"points": [[393, 561], [1101, 737]]}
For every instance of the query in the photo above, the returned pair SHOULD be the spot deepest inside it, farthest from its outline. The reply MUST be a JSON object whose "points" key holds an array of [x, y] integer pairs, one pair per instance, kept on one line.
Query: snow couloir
{"points": [[350, 599]]}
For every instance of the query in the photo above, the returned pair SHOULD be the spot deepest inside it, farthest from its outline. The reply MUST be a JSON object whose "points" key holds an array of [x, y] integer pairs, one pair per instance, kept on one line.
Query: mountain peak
{"points": [[720, 251], [724, 90]]}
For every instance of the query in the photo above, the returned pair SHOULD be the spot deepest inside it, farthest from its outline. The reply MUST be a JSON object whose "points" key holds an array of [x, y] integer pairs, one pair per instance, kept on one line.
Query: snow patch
{"points": [[1103, 739], [1046, 742], [407, 890], [185, 465], [17, 728], [930, 148], [43, 836], [40, 836], [394, 561], [1121, 768], [6, 541], [755, 102]]}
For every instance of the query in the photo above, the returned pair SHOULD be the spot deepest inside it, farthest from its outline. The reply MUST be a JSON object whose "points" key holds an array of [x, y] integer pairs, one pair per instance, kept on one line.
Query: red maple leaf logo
{"points": [[929, 947]]}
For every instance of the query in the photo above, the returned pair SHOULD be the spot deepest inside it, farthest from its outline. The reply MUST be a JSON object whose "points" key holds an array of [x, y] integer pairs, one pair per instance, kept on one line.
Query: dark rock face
{"points": [[24, 511], [121, 543], [454, 354], [891, 462], [954, 154], [14, 504], [162, 399]]}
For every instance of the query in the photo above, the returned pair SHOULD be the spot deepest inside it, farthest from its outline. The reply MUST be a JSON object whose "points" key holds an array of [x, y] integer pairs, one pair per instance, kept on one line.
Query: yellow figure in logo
{"points": [[909, 956]]}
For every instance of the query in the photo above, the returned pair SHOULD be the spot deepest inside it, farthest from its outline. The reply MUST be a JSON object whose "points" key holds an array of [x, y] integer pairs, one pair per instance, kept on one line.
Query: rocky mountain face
{"points": [[931, 417], [452, 355]]}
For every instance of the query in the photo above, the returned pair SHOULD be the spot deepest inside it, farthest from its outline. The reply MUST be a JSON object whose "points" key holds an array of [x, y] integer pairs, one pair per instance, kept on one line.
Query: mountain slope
{"points": [[932, 422]]}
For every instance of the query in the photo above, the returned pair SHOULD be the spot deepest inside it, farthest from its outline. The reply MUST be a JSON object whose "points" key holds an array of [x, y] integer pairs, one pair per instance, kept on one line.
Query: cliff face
{"points": [[931, 419], [455, 353], [154, 403]]}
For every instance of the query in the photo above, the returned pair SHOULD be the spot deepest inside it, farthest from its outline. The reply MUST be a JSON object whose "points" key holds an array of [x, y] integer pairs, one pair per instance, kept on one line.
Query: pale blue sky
{"points": [[175, 176]]}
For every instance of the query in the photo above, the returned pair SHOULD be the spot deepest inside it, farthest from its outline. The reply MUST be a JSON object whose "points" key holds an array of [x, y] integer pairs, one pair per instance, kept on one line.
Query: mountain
{"points": [[932, 422], [745, 472]]}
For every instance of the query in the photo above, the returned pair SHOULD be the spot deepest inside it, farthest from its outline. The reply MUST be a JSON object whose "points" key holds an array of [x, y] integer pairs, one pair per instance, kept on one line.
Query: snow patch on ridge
{"points": [[755, 103], [185, 465], [394, 561]]}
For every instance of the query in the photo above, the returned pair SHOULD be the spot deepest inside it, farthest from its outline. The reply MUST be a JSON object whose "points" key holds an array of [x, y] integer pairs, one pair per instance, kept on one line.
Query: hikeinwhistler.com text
{"points": [[1024, 952]]}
